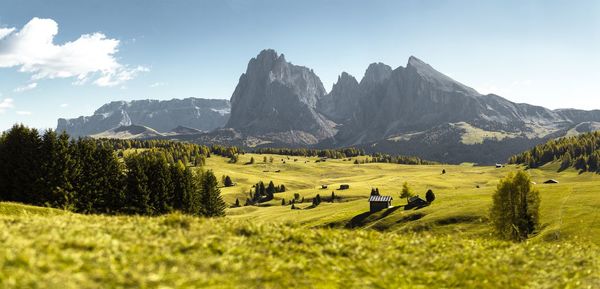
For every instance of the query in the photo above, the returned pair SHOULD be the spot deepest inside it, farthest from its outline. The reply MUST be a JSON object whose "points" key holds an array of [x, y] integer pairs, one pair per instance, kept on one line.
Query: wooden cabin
{"points": [[551, 181], [323, 186], [415, 202], [378, 203], [344, 186]]}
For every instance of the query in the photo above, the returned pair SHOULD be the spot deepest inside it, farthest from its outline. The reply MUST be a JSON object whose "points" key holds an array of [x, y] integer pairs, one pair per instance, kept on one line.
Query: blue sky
{"points": [[540, 52]]}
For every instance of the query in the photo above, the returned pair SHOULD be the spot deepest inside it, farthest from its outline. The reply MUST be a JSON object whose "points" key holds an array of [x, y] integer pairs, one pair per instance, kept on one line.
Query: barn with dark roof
{"points": [[378, 203]]}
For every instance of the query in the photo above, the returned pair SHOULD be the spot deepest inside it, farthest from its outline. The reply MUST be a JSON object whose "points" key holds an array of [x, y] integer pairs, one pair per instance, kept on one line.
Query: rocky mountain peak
{"points": [[377, 73], [275, 96], [440, 81]]}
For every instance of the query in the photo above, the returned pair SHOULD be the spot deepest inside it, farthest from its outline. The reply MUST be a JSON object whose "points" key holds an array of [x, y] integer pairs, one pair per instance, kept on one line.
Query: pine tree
{"points": [[429, 196], [212, 202], [19, 169], [138, 194], [58, 169], [270, 191], [237, 202], [332, 196], [227, 182]]}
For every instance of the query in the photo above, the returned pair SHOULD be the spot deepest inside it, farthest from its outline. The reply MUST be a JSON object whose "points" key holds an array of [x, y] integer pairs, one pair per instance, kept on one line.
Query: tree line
{"points": [[304, 152], [87, 176], [581, 152]]}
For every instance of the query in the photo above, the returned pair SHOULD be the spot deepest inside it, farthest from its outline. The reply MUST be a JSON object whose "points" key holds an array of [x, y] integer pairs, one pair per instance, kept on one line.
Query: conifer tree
{"points": [[429, 196], [212, 202]]}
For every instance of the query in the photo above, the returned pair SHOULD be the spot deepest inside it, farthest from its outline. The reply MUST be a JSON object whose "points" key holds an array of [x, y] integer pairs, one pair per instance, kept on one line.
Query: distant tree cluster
{"points": [[345, 153], [330, 153], [264, 193], [581, 152], [405, 160], [188, 153], [86, 176]]}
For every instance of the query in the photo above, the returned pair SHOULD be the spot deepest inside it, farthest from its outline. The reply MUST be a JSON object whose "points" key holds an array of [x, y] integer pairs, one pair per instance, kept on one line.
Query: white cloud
{"points": [[23, 112], [5, 31], [6, 104], [157, 84], [119, 76], [64, 105], [30, 86], [91, 57]]}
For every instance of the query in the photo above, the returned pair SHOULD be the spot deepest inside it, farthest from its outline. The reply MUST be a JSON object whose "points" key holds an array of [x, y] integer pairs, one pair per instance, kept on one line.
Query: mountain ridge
{"points": [[413, 109]]}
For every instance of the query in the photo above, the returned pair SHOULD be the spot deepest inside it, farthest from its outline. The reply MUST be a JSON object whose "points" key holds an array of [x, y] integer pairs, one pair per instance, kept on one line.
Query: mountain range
{"points": [[413, 110], [162, 116]]}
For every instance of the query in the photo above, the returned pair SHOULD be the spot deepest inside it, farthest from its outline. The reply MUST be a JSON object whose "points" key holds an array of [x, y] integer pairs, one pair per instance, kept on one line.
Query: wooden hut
{"points": [[415, 202], [378, 203]]}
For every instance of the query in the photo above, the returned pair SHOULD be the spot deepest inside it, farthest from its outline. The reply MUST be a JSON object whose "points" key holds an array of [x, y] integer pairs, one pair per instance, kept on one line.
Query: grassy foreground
{"points": [[54, 249]]}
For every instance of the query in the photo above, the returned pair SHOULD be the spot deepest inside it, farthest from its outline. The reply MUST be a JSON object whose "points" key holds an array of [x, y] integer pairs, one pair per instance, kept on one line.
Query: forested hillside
{"points": [[581, 152], [90, 176]]}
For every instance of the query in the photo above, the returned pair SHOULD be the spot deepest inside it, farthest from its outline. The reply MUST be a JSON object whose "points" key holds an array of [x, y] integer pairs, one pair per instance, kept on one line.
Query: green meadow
{"points": [[570, 210], [445, 245]]}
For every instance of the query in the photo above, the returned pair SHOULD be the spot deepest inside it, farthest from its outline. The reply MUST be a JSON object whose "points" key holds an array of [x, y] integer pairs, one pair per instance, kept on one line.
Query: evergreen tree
{"points": [[212, 202], [237, 202], [270, 191], [227, 182], [332, 197], [19, 166], [138, 193], [58, 171], [515, 207], [429, 196]]}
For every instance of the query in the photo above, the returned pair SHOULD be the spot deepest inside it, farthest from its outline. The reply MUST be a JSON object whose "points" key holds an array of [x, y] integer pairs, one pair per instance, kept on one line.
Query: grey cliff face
{"points": [[196, 113], [278, 98]]}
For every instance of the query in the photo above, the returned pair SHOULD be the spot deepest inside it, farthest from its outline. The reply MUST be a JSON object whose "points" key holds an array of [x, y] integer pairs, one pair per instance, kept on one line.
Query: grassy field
{"points": [[570, 210], [445, 245], [55, 249]]}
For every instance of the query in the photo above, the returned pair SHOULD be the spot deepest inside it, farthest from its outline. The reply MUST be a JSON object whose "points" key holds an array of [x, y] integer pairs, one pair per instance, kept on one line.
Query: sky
{"points": [[66, 58]]}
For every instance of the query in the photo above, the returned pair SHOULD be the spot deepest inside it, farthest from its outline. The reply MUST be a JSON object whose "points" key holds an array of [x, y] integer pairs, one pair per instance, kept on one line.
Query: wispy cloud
{"points": [[157, 84], [90, 58], [64, 105], [27, 87], [23, 112], [6, 104]]}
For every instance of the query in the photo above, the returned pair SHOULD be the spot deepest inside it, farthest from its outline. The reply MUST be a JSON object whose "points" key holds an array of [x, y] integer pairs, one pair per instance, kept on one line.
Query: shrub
{"points": [[406, 191]]}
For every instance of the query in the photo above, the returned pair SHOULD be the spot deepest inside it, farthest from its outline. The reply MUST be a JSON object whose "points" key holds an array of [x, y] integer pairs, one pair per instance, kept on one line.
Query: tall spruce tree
{"points": [[212, 202], [19, 166]]}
